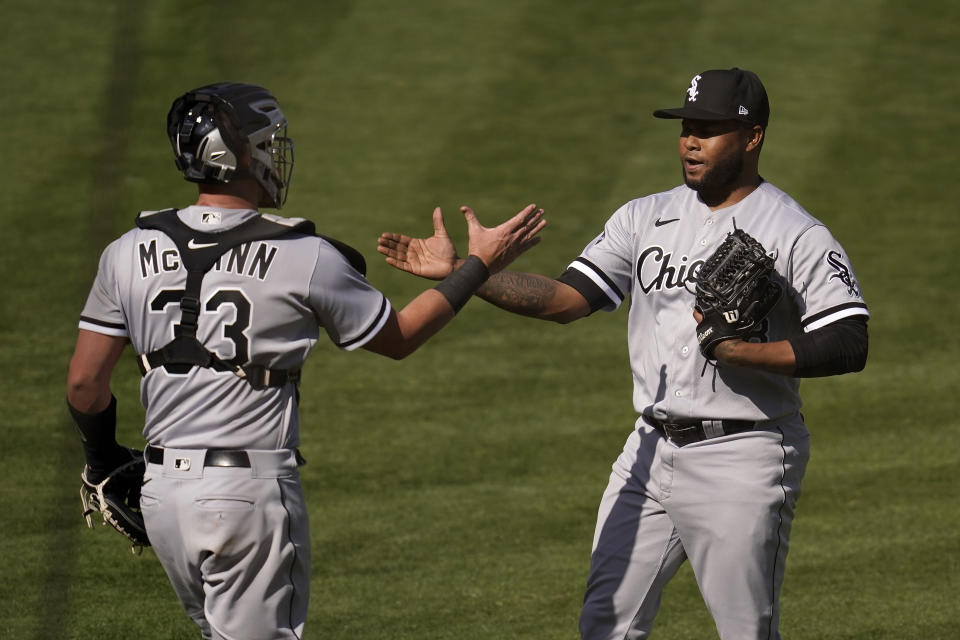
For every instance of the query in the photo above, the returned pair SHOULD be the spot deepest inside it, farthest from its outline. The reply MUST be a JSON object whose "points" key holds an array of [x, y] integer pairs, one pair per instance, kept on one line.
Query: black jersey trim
{"points": [[102, 323], [595, 296], [774, 592], [603, 276], [851, 308], [367, 333], [291, 623]]}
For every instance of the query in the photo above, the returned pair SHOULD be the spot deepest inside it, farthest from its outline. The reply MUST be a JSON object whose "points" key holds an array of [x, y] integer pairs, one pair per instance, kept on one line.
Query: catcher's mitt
{"points": [[735, 290], [117, 498]]}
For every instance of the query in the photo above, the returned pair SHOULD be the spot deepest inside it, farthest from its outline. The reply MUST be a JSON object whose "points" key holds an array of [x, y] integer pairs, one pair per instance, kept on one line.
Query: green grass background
{"points": [[452, 495]]}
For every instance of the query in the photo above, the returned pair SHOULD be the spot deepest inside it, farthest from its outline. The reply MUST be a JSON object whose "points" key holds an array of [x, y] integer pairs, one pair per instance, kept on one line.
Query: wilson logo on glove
{"points": [[731, 316]]}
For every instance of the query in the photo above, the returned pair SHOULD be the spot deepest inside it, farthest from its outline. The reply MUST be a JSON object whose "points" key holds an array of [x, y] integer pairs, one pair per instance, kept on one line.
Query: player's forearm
{"points": [[408, 329], [774, 357], [423, 317], [531, 295], [524, 293], [839, 347], [88, 395]]}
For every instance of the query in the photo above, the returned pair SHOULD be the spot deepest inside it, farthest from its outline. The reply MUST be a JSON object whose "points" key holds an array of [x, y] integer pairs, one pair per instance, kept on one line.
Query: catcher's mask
{"points": [[212, 127]]}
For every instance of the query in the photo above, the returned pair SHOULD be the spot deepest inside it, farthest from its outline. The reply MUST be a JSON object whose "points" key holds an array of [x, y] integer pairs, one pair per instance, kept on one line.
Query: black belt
{"points": [[213, 457], [217, 457], [684, 432]]}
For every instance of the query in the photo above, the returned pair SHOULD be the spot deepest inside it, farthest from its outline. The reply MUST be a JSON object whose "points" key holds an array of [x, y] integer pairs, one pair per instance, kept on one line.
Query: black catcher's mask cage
{"points": [[212, 127]]}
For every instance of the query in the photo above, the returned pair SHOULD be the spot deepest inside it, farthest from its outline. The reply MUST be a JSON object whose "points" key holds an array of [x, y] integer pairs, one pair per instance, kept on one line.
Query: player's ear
{"points": [[753, 137]]}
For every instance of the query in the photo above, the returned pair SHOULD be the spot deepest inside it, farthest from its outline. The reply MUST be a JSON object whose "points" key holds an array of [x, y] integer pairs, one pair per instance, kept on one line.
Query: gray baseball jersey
{"points": [[652, 248], [725, 503], [264, 301]]}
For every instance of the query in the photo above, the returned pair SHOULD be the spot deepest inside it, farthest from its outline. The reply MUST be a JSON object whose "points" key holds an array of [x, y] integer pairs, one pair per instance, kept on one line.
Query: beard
{"points": [[719, 178]]}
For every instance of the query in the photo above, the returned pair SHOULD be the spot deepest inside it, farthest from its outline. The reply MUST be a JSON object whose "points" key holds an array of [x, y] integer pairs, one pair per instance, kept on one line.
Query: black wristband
{"points": [[98, 431], [462, 283]]}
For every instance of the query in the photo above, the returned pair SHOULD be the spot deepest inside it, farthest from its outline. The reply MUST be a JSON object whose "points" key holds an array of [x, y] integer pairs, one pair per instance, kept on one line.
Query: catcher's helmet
{"points": [[213, 126]]}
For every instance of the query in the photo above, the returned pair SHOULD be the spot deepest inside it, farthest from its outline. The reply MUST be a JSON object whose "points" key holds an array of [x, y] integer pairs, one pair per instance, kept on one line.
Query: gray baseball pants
{"points": [[233, 541], [726, 504]]}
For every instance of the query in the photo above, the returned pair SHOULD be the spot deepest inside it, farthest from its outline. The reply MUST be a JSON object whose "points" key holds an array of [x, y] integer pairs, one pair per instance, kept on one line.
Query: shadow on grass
{"points": [[61, 541]]}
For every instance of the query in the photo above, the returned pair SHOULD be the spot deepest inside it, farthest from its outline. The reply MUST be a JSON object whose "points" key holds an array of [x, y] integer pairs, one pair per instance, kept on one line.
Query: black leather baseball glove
{"points": [[117, 498], [735, 291]]}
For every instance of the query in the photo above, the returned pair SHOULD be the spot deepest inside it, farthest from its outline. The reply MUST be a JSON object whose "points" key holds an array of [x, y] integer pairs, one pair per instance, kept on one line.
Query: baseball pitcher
{"points": [[736, 293]]}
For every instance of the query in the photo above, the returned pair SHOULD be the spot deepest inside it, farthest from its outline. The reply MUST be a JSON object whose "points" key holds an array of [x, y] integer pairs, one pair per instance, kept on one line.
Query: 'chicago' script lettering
{"points": [[656, 269]]}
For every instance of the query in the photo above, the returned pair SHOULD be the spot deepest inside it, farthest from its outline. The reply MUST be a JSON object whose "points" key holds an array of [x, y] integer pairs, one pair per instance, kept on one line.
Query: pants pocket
{"points": [[224, 503]]}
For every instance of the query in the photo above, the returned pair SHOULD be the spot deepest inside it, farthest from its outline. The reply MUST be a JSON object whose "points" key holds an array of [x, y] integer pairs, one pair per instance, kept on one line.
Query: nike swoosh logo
{"points": [[659, 223], [193, 244]]}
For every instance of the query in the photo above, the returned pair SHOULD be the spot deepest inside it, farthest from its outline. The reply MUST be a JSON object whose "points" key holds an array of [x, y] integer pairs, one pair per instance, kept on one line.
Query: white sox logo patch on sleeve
{"points": [[842, 273]]}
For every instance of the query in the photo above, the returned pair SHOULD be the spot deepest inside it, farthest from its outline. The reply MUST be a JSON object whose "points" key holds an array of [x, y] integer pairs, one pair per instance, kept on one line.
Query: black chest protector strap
{"points": [[199, 251]]}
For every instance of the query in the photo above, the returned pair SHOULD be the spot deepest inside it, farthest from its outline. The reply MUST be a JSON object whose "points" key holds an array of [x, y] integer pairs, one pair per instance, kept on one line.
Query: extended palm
{"points": [[433, 257], [436, 257]]}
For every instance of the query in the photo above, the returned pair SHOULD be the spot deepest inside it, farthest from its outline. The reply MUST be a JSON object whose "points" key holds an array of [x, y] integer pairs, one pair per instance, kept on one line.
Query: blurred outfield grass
{"points": [[453, 494]]}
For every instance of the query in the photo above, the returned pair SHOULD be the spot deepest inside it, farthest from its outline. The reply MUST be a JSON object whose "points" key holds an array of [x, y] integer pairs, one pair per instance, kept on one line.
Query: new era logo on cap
{"points": [[723, 94]]}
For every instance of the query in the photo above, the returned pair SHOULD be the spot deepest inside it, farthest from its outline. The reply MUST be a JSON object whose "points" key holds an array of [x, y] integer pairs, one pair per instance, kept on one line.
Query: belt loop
{"points": [[713, 428]]}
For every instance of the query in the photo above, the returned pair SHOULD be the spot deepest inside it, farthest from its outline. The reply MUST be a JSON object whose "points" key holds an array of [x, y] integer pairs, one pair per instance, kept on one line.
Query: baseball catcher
{"points": [[735, 291], [222, 426]]}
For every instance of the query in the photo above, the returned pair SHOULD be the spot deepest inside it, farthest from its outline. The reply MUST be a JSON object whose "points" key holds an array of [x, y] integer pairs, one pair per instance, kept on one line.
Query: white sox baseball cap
{"points": [[723, 94]]}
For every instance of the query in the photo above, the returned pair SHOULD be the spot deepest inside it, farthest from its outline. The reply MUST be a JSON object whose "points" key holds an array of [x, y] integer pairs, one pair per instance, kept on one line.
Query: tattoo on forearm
{"points": [[523, 293], [725, 350]]}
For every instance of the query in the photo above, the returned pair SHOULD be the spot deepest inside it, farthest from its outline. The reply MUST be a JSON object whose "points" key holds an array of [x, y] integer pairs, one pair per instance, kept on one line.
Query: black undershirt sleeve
{"points": [[840, 347]]}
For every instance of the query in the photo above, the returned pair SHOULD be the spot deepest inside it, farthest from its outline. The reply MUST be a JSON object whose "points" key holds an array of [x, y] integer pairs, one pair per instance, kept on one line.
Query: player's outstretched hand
{"points": [[433, 258], [500, 245]]}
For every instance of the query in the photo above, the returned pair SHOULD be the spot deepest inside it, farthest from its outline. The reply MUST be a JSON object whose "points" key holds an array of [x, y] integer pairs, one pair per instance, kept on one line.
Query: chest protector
{"points": [[199, 251]]}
